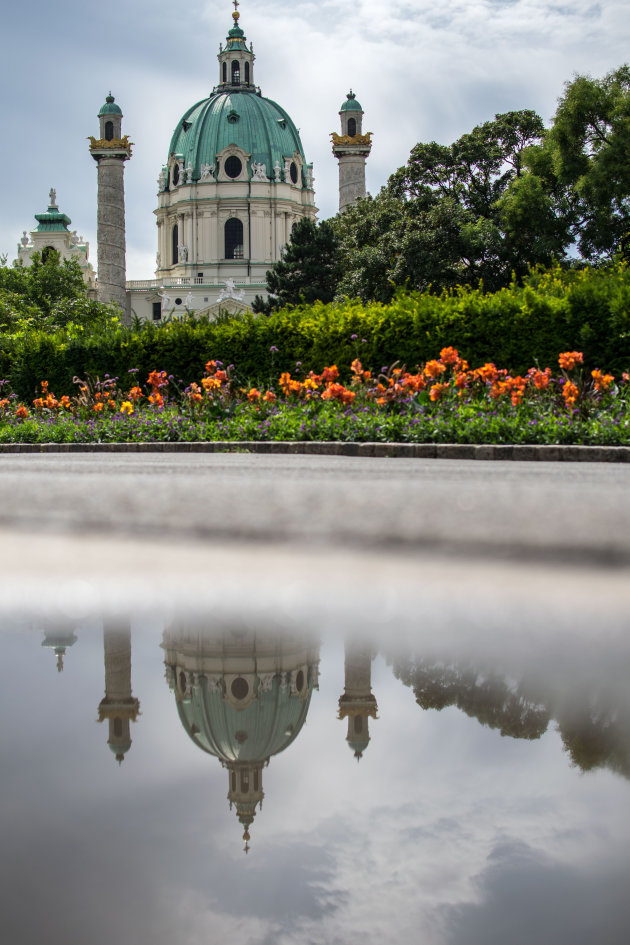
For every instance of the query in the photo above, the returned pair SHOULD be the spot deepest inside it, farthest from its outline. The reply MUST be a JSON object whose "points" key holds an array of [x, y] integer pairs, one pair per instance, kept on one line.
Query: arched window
{"points": [[109, 130], [352, 127], [244, 781], [236, 72], [233, 239], [175, 245], [256, 781], [234, 781], [47, 250], [246, 73], [225, 71]]}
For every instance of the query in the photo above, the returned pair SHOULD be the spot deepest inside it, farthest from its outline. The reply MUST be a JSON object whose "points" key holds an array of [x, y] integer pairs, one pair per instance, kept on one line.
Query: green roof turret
{"points": [[110, 107], [52, 220], [351, 104]]}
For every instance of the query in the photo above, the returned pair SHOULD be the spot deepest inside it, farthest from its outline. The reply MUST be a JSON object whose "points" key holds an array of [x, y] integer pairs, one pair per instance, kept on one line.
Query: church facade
{"points": [[234, 183]]}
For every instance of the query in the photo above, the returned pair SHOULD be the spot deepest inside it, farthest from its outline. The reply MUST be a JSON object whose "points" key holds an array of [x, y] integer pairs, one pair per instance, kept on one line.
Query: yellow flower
{"points": [[127, 407]]}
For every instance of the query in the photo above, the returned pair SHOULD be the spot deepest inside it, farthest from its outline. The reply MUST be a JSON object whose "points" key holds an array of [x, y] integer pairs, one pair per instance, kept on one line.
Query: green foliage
{"points": [[444, 219], [308, 271], [49, 295], [553, 310]]}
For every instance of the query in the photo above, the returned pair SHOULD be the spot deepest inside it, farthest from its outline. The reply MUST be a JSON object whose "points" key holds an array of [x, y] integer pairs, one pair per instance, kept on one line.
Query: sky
{"points": [[422, 72]]}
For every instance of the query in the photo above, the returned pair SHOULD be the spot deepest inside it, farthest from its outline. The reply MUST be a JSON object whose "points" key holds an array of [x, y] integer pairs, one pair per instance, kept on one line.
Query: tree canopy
{"points": [[507, 196], [50, 294], [308, 270]]}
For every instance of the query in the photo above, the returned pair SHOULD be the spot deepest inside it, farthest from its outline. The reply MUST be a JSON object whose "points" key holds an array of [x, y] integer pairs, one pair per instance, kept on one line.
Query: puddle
{"points": [[260, 780]]}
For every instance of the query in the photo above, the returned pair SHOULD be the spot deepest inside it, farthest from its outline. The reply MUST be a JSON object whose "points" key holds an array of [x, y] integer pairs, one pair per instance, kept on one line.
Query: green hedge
{"points": [[554, 311]]}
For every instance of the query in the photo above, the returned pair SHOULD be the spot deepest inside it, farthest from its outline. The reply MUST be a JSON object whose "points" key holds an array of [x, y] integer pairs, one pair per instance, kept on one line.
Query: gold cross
{"points": [[236, 5]]}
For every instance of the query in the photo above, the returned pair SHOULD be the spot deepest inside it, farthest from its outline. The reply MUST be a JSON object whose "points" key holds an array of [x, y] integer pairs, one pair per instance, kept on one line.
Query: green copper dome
{"points": [[244, 118], [110, 107], [351, 104], [265, 727]]}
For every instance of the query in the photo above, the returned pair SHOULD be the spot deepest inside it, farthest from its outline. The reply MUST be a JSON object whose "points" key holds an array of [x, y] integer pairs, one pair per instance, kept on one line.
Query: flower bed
{"points": [[443, 401]]}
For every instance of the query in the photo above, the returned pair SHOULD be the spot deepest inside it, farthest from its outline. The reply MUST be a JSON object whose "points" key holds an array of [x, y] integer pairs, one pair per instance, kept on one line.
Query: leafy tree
{"points": [[444, 218], [50, 294], [584, 158], [308, 271]]}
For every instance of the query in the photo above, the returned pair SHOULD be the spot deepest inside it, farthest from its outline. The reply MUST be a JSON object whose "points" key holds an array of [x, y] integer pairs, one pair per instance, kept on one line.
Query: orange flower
{"points": [[330, 374], [570, 393], [269, 397], [568, 359], [437, 390], [253, 395], [487, 372], [434, 369], [338, 392], [135, 394], [157, 379], [540, 379], [209, 384], [126, 407], [156, 399], [98, 407], [449, 356], [356, 367], [461, 380], [65, 401], [21, 412], [603, 382]]}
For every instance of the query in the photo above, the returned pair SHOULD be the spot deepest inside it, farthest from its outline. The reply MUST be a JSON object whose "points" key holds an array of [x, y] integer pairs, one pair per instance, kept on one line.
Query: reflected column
{"points": [[357, 703], [119, 706]]}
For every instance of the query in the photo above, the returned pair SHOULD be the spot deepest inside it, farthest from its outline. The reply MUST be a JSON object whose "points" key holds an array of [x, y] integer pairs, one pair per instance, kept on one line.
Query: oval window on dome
{"points": [[240, 688], [299, 681], [233, 166], [294, 172], [176, 174]]}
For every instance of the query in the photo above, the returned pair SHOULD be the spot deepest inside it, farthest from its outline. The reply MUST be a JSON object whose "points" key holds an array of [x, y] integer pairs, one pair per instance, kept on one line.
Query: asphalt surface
{"points": [[555, 511]]}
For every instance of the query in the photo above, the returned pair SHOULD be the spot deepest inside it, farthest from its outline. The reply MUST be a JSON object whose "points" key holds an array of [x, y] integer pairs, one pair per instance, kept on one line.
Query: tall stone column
{"points": [[351, 148], [110, 152]]}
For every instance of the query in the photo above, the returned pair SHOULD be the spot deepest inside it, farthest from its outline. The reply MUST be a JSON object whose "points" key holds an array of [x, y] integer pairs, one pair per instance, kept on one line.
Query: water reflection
{"points": [[242, 697], [468, 819]]}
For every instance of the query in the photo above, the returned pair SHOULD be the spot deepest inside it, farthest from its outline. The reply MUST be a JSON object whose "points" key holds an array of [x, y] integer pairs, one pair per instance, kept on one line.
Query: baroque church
{"points": [[234, 183]]}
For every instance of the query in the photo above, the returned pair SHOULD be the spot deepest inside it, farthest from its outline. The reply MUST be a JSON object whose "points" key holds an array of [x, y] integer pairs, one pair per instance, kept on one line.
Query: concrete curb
{"points": [[552, 453]]}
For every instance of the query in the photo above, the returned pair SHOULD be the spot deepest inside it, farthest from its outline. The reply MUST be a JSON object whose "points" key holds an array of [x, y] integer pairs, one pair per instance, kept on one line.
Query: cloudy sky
{"points": [[422, 71]]}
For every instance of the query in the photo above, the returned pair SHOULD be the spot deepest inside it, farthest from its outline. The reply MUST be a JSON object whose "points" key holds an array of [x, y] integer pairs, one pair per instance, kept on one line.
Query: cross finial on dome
{"points": [[236, 14]]}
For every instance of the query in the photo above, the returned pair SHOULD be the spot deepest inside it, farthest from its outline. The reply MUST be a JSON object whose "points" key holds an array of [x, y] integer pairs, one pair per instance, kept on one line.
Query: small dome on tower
{"points": [[351, 104], [110, 107]]}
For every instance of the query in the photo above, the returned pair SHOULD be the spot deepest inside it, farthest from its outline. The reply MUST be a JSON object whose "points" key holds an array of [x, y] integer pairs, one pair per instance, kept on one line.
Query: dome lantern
{"points": [[236, 61]]}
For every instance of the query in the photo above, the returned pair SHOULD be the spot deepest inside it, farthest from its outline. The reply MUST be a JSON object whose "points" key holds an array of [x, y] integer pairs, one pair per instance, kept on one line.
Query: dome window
{"points": [[282, 122], [352, 127], [294, 172], [299, 681], [246, 73], [182, 677], [236, 72], [240, 688], [109, 130], [175, 245], [175, 174], [186, 125], [233, 166], [233, 117], [225, 72], [179, 302]]}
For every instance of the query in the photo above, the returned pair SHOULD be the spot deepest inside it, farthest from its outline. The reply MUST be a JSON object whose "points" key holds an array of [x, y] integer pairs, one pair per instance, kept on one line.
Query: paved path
{"points": [[547, 511]]}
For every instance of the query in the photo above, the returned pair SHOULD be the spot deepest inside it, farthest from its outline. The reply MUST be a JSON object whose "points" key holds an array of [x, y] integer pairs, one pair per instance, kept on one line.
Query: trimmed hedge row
{"points": [[586, 310]]}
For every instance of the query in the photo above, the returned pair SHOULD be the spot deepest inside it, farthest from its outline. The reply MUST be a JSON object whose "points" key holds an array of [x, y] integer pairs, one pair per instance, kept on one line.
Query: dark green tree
{"points": [[445, 219], [308, 271], [585, 160], [49, 294]]}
